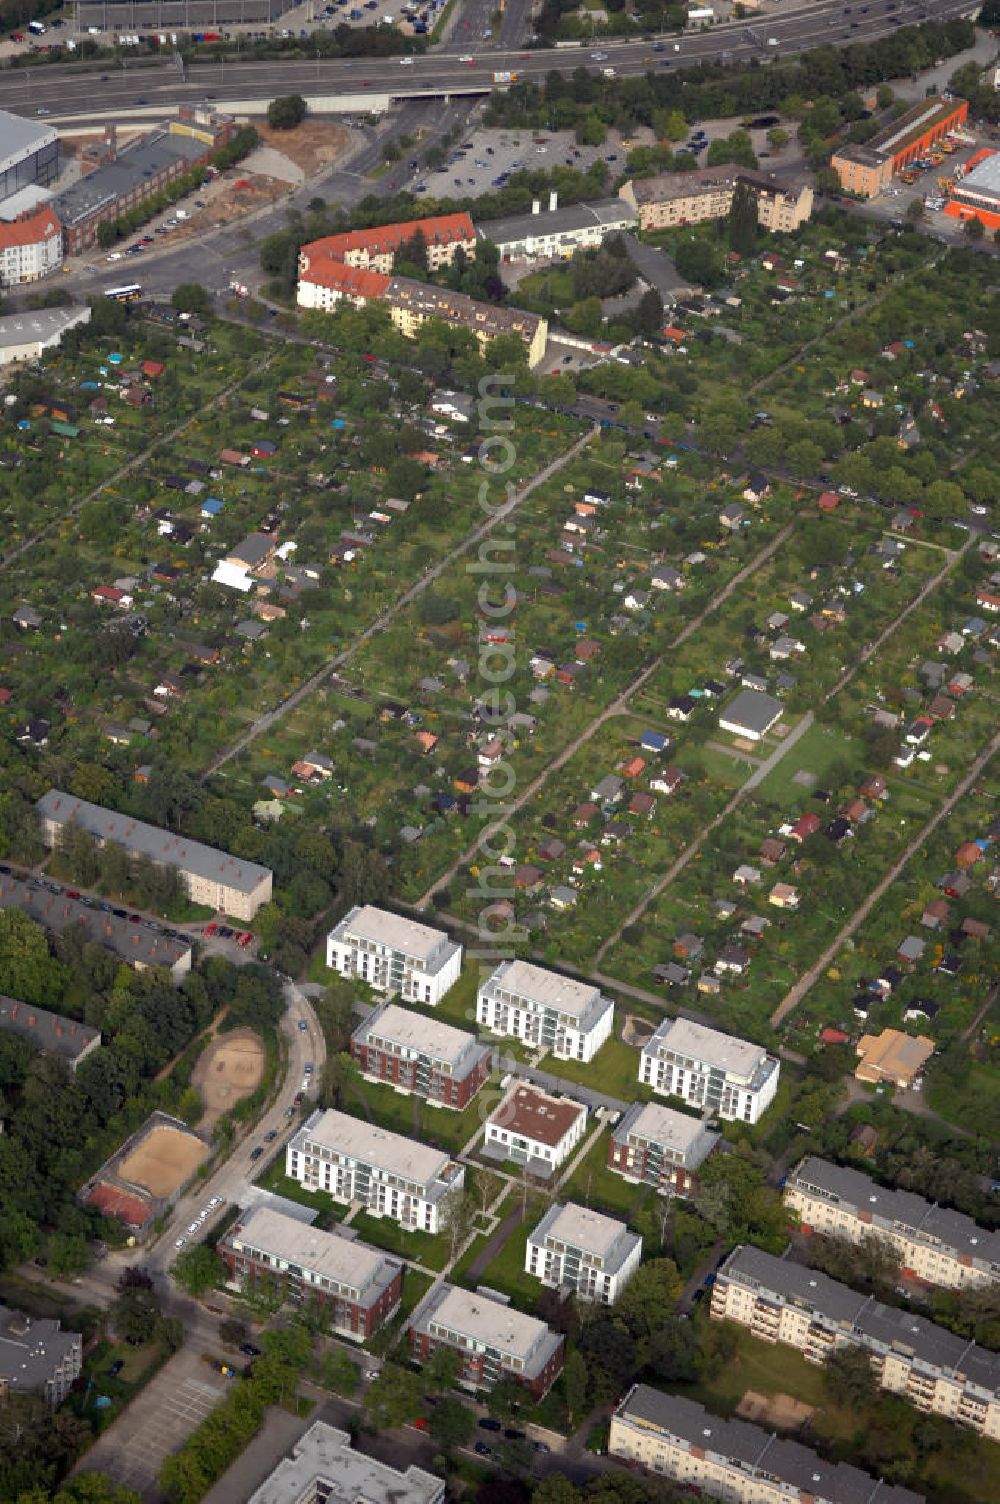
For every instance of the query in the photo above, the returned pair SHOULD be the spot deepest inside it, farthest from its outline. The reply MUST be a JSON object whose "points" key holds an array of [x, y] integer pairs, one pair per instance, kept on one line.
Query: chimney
{"points": [[111, 139], [536, 206], [553, 201]]}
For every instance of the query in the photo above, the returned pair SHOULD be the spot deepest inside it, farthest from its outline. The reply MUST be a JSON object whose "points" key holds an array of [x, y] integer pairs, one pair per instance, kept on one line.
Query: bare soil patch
{"points": [[163, 1160], [636, 1029], [311, 145], [228, 1069], [782, 1411]]}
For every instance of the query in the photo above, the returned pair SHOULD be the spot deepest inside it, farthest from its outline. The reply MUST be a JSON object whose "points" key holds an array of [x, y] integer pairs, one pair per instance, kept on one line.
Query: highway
{"points": [[69, 91]]}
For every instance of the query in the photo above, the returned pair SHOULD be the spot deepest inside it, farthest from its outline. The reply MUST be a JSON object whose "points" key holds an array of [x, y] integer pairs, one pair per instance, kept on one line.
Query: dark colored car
{"points": [[482, 1449], [487, 1424], [256, 1153], [249, 1351], [116, 1368]]}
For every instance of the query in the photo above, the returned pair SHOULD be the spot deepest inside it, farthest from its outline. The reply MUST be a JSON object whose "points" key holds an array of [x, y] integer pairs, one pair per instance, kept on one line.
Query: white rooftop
{"points": [[324, 1465], [424, 1035], [580, 1227], [546, 988], [338, 1258], [664, 1125], [392, 930], [338, 1131], [738, 1057], [478, 1317]]}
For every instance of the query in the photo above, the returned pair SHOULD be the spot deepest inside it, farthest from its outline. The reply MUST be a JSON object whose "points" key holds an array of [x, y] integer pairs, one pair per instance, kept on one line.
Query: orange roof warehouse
{"points": [[867, 170], [977, 196]]}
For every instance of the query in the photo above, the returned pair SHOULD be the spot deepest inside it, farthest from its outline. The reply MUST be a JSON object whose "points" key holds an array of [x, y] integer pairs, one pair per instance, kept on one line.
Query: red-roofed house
{"points": [[675, 335], [805, 826], [153, 368], [110, 595], [31, 246], [376, 249]]}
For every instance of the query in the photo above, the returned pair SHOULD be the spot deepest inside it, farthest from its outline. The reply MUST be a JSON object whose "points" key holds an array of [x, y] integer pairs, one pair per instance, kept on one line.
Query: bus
{"points": [[127, 294]]}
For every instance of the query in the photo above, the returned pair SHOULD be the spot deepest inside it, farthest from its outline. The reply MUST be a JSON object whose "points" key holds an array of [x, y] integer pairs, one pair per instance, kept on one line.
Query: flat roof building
{"points": [[778, 1300], [137, 944], [71, 1040], [324, 1466], [26, 336], [230, 884], [393, 954], [37, 1356], [731, 1459], [715, 1072], [867, 170], [493, 1340], [359, 1288], [978, 193], [559, 232], [751, 715], [578, 1249], [29, 153], [534, 1129], [936, 1244], [658, 1146], [391, 1176], [547, 1010], [413, 1053], [684, 198]]}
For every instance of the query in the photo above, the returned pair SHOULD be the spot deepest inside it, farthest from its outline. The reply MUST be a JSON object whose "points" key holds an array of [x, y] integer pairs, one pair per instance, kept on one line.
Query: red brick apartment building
{"points": [[420, 1055]]}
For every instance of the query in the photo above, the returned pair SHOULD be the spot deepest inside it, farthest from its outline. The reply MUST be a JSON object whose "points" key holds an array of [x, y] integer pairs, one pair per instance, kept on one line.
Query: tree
{"points": [[674, 1356], [191, 297], [339, 1073], [197, 1270], [650, 1296], [135, 1313], [457, 1219], [451, 1424], [743, 225], [778, 138], [286, 112], [915, 210], [504, 1399], [648, 316], [974, 228], [850, 1379], [27, 970], [441, 1370], [339, 1372], [574, 1382], [393, 1398]]}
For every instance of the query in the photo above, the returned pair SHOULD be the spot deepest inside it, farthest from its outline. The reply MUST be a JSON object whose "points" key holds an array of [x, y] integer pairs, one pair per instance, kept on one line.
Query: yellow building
{"points": [[893, 1057], [690, 198]]}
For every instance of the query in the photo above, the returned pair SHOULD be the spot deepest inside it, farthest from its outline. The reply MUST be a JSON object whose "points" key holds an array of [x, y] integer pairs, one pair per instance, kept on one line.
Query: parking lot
{"points": [[484, 161], [158, 1420], [928, 187]]}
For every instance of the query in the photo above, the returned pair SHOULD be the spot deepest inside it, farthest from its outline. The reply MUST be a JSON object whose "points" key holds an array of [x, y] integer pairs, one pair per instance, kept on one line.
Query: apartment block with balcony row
{"points": [[715, 1072], [580, 1250], [493, 1340], [658, 1146], [778, 1300], [419, 1055], [935, 1243], [394, 955], [571, 1019]]}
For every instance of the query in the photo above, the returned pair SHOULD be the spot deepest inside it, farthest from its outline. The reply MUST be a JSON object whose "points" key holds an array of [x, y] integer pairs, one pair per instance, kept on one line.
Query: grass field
{"points": [[614, 1070], [593, 1184], [817, 751]]}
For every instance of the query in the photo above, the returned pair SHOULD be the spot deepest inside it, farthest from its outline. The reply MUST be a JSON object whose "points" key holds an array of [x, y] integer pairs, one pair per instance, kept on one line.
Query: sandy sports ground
{"points": [[782, 1411], [163, 1160], [228, 1069]]}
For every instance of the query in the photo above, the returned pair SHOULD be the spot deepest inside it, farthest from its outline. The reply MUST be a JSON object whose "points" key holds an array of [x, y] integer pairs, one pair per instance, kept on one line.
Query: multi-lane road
{"points": [[73, 91]]}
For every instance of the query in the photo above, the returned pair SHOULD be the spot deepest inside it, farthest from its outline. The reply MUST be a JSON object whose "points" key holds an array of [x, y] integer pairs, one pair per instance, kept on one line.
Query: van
{"points": [[37, 28]]}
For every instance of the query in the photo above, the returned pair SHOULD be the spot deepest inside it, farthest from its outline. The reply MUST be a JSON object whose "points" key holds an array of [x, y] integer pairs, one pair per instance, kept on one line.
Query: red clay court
{"points": [[114, 1202]]}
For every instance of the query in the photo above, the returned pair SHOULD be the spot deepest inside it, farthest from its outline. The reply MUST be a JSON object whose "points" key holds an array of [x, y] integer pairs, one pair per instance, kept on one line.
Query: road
{"points": [[67, 91]]}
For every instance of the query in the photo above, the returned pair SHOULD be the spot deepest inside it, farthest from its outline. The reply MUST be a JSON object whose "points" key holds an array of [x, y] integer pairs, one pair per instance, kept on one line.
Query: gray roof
{"points": [[753, 710], [55, 912], [206, 862], [760, 1452], [485, 1319], [711, 1049], [40, 323], [32, 1348], [420, 1037], [591, 1232], [133, 168], [324, 1465], [380, 927], [363, 1273], [563, 221], [49, 1031], [540, 989], [916, 1216], [431, 1170], [19, 136], [685, 1138]]}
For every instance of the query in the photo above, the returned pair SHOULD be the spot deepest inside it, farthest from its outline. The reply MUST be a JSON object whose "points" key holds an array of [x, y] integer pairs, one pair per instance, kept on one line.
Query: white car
{"points": [[406, 62], [193, 1228], [466, 58], [115, 256], [215, 1201], [180, 1242]]}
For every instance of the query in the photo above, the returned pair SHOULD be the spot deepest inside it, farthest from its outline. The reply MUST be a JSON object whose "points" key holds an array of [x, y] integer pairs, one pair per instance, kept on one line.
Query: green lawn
{"points": [[613, 1070], [274, 1179], [817, 751], [507, 1272], [438, 1126], [424, 1247], [593, 1184]]}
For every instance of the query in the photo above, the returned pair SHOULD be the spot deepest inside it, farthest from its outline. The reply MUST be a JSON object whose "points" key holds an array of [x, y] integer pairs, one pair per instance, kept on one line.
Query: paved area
{"points": [[273, 1441], [173, 1405], [481, 161]]}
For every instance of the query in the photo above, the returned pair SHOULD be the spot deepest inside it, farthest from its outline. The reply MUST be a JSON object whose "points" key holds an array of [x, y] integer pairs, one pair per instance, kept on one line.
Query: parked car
{"points": [[116, 1368], [488, 1424], [256, 1153]]}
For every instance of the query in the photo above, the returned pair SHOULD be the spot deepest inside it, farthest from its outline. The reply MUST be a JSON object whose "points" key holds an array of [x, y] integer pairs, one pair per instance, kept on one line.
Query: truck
{"points": [[37, 28], [504, 76], [608, 72]]}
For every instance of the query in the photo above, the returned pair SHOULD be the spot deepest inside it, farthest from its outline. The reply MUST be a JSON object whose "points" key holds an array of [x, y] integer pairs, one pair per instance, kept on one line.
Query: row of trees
{"points": [[110, 231]]}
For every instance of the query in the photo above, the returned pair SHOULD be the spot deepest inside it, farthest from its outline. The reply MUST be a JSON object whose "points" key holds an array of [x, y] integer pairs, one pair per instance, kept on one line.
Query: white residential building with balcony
{"points": [[582, 1250], [394, 955], [546, 1010], [724, 1076]]}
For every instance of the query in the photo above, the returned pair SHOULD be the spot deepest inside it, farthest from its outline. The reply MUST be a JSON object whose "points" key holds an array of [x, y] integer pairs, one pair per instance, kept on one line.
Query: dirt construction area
{"points": [[229, 1069], [781, 1411], [162, 1161]]}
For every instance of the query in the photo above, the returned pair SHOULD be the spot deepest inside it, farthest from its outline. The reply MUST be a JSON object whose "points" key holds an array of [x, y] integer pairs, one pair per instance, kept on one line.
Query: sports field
{"points": [[229, 1069], [163, 1160]]}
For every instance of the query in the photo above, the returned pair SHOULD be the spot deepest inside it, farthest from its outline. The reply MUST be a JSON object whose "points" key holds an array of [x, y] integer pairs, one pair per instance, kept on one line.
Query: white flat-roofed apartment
{"points": [[358, 1287], [936, 1244], [391, 1176], [659, 1146], [493, 1340], [534, 1129], [779, 1300], [229, 884], [37, 1356], [413, 1053], [593, 1255], [727, 1077], [324, 1466], [553, 1012], [734, 1460], [394, 955]]}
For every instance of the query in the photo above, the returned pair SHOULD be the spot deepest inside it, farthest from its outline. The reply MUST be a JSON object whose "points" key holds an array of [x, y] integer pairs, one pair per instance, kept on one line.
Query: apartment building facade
{"points": [[419, 1055], [534, 1129], [324, 1466], [732, 1459], [778, 1300], [394, 955], [867, 170], [31, 246], [377, 249], [546, 1010], [934, 1243], [358, 1287], [389, 1175], [493, 1340], [689, 198], [658, 1146], [583, 1251], [229, 884], [715, 1072], [37, 1356]]}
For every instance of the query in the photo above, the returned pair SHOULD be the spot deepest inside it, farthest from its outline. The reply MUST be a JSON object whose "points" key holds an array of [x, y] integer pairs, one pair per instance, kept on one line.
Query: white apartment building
{"points": [[324, 1465], [936, 1244], [724, 1076], [546, 1010], [734, 1460], [534, 1129], [391, 1176], [778, 1300], [394, 955], [582, 1250], [31, 247]]}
